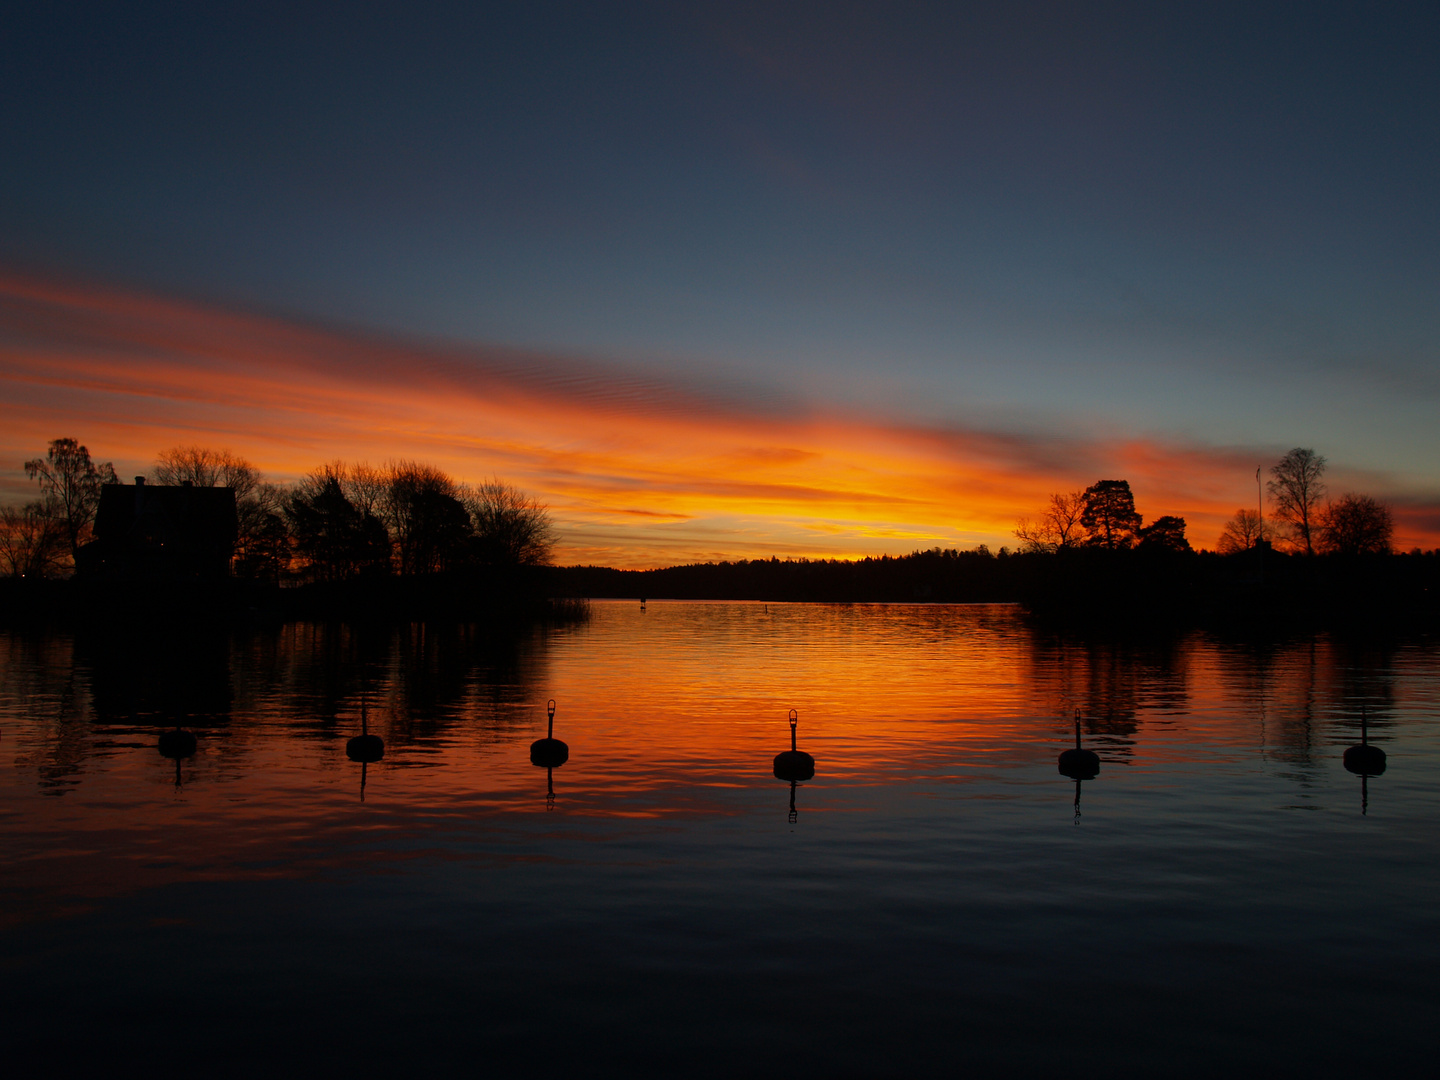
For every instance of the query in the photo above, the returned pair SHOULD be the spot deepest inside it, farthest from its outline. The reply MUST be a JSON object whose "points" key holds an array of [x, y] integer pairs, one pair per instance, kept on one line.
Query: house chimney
{"points": [[139, 481], [187, 483]]}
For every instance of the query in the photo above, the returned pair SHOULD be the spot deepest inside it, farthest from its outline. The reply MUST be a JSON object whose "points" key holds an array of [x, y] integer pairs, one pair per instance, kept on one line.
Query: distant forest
{"points": [[1088, 555]]}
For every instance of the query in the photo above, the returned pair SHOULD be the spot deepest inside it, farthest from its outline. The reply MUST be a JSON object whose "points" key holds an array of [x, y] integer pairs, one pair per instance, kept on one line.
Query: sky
{"points": [[734, 280]]}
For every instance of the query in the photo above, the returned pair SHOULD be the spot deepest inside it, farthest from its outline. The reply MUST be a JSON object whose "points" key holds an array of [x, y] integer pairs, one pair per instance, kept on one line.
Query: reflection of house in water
{"points": [[153, 531], [159, 673]]}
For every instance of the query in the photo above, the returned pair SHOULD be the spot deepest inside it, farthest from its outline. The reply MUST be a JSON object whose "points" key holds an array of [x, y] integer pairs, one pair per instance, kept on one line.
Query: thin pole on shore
{"points": [[1259, 527]]}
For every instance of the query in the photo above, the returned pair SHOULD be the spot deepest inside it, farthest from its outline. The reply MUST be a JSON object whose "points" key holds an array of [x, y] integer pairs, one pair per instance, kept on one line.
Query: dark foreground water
{"points": [[1224, 900]]}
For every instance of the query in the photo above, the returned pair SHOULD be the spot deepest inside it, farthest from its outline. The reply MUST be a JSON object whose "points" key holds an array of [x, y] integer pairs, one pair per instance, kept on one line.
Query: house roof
{"points": [[182, 514]]}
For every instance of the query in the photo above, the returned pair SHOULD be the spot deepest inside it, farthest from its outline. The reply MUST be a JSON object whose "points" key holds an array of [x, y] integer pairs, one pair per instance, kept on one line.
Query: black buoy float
{"points": [[365, 747], [177, 745], [794, 765], [1364, 759], [1079, 764], [549, 752]]}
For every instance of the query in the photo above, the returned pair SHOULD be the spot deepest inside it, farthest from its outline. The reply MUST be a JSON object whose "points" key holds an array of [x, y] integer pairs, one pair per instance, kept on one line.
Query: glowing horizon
{"points": [[637, 471]]}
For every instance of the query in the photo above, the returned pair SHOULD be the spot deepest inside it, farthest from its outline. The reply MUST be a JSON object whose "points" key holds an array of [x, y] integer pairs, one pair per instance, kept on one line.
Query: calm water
{"points": [[1223, 898]]}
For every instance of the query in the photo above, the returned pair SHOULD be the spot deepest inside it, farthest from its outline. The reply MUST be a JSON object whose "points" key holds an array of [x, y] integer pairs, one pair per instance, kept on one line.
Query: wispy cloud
{"points": [[637, 470]]}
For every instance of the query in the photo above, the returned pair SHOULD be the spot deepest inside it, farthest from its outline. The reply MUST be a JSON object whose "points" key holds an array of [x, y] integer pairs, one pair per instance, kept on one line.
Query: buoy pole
{"points": [[1077, 729], [550, 715], [794, 719], [1364, 728]]}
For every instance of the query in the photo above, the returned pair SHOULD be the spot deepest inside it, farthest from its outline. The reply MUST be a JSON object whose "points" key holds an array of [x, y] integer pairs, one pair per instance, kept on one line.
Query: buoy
{"points": [[794, 765], [1079, 764], [365, 747], [177, 744], [1364, 759], [549, 752]]}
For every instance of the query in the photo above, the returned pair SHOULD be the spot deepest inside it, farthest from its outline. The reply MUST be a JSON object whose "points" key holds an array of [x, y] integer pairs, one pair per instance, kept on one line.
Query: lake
{"points": [[1223, 895]]}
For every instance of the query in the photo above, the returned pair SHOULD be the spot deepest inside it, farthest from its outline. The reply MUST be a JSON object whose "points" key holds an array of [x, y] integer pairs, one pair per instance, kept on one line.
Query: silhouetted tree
{"points": [[70, 486], [263, 547], [428, 522], [365, 486], [1057, 528], [204, 467], [1109, 516], [1296, 491], [1356, 525], [511, 529], [1242, 532], [31, 544], [1165, 533], [335, 539]]}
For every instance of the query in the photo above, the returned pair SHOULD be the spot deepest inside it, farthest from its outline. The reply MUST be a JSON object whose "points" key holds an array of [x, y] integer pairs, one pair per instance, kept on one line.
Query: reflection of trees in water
{"points": [[1112, 681], [1365, 677], [106, 692], [420, 681], [37, 681], [1305, 695], [1298, 699], [457, 675]]}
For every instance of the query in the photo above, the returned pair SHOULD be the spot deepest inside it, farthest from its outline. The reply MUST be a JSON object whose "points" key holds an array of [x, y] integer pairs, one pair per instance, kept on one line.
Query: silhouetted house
{"points": [[149, 531]]}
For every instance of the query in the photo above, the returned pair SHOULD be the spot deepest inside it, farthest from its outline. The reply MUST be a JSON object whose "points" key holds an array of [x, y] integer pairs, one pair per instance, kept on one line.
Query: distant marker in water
{"points": [[1079, 764], [365, 747], [1365, 760], [794, 765], [549, 752], [1362, 758], [177, 745]]}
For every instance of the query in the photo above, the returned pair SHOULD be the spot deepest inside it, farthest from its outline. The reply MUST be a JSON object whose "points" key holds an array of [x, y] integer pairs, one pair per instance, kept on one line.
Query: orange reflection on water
{"points": [[673, 712]]}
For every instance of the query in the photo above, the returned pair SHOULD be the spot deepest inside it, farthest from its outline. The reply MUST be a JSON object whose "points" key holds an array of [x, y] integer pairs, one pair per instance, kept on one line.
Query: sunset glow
{"points": [[637, 472]]}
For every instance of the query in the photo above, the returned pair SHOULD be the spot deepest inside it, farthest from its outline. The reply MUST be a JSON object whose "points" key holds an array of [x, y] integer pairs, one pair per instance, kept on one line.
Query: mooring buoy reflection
{"points": [[1079, 764], [1365, 761], [794, 764], [549, 753], [178, 745], [364, 747]]}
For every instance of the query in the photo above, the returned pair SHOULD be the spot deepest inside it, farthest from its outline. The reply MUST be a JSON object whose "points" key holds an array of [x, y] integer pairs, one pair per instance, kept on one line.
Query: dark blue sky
{"points": [[1213, 222]]}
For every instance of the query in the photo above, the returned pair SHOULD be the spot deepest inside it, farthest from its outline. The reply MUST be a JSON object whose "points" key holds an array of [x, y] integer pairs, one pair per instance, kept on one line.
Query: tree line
{"points": [[1302, 519], [1101, 516], [339, 522], [1305, 520]]}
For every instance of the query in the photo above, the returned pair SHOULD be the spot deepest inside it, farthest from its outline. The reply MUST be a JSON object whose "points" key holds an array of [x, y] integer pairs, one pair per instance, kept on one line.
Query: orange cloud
{"points": [[637, 471]]}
